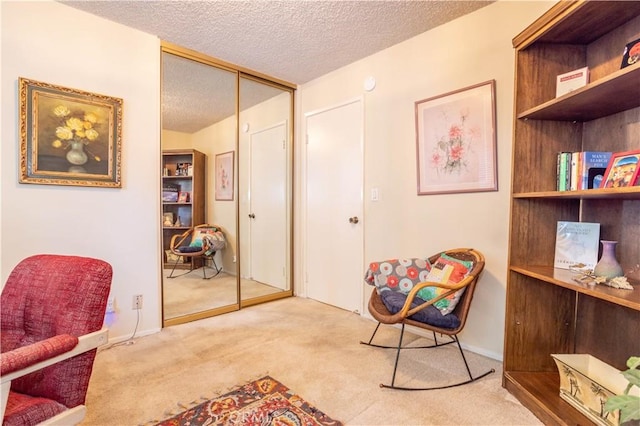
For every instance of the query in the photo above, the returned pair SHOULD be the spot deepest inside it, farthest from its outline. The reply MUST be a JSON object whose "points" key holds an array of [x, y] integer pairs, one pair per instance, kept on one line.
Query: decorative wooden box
{"points": [[586, 383]]}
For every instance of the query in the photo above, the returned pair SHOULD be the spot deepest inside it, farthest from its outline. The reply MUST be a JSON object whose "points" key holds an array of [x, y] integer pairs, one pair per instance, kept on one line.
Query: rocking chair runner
{"points": [[414, 312], [198, 243]]}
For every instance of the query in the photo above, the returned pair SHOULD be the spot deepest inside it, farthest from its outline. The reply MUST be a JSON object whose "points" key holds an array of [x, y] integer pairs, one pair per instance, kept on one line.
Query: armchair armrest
{"points": [[86, 343], [26, 356], [406, 310], [55, 346], [178, 239]]}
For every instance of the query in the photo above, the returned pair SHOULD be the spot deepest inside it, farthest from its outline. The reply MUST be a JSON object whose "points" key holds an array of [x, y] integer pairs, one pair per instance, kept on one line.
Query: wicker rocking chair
{"points": [[412, 310], [199, 245]]}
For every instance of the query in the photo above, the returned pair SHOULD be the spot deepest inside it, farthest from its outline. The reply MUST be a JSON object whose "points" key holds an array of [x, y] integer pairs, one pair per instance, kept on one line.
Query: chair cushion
{"points": [[397, 274], [189, 249], [27, 410], [394, 301], [450, 270]]}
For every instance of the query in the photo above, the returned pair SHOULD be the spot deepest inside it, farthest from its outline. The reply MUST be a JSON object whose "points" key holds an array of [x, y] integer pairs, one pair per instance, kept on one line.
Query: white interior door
{"points": [[268, 206], [334, 205]]}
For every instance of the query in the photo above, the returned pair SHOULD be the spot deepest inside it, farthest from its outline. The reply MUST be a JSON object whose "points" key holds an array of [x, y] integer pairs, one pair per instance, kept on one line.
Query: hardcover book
{"points": [[593, 160], [576, 243]]}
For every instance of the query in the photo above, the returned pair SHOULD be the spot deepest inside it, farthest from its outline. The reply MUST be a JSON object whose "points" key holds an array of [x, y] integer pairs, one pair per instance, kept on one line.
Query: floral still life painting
{"points": [[456, 144], [224, 176], [68, 136]]}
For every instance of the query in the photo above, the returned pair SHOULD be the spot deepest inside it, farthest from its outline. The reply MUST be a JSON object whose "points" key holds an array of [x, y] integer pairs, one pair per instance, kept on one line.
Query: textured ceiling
{"points": [[295, 41]]}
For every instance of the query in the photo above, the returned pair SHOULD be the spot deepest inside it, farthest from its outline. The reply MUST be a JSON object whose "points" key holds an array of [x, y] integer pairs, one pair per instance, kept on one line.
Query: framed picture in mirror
{"points": [[224, 176]]}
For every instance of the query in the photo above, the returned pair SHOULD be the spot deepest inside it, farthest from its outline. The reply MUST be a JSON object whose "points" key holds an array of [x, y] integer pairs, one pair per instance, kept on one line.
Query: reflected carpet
{"points": [[262, 402]]}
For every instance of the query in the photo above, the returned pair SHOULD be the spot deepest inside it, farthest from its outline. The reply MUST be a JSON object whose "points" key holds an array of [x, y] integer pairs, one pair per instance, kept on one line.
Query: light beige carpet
{"points": [[190, 293], [311, 348]]}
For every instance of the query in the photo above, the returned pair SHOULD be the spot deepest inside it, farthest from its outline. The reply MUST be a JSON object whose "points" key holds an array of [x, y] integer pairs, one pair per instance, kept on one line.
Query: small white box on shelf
{"points": [[571, 81]]}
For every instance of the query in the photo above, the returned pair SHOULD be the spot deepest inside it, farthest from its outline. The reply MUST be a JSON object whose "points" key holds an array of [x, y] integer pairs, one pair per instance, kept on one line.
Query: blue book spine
{"points": [[593, 159]]}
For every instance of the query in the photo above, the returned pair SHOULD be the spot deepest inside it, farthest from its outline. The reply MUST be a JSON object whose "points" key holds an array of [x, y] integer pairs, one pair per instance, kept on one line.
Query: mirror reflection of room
{"points": [[226, 189], [197, 221]]}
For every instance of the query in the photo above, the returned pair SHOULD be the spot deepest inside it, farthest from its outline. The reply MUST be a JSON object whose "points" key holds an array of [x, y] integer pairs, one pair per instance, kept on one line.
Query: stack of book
{"points": [[581, 170]]}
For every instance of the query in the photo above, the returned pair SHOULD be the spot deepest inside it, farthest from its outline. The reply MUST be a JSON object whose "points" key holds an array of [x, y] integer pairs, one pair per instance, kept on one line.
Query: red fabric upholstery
{"points": [[26, 410], [47, 296], [25, 356]]}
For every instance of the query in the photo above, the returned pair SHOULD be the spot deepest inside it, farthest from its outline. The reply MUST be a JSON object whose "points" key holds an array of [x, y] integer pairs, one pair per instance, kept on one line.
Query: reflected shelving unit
{"points": [[183, 170]]}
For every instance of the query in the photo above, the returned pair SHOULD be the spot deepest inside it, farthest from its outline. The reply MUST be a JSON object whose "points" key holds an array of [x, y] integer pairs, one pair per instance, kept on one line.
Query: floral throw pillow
{"points": [[397, 274], [446, 269]]}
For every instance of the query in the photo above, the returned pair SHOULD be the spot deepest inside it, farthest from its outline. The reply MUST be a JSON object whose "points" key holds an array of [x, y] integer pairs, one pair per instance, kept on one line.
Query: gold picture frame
{"points": [[69, 136]]}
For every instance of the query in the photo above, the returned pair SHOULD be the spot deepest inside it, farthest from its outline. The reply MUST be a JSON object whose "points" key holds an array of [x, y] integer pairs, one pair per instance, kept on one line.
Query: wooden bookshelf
{"points": [[192, 212], [547, 311]]}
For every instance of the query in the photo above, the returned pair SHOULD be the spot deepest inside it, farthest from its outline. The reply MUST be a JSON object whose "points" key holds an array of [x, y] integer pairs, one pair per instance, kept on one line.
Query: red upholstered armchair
{"points": [[52, 311]]}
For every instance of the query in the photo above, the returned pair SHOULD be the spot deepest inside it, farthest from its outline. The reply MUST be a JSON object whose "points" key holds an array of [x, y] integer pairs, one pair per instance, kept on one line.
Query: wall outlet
{"points": [[137, 302], [111, 304]]}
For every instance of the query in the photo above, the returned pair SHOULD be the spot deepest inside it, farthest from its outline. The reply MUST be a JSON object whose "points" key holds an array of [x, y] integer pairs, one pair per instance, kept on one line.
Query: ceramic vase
{"points": [[608, 266], [76, 154]]}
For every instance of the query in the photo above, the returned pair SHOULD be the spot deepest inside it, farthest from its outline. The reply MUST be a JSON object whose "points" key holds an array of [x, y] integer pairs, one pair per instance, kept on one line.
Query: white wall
{"points": [[213, 140], [472, 49], [45, 41], [53, 43]]}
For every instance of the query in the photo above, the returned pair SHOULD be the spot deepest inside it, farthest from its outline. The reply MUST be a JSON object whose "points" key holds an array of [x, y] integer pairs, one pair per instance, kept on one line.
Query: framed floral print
{"points": [[224, 176], [456, 141], [69, 136]]}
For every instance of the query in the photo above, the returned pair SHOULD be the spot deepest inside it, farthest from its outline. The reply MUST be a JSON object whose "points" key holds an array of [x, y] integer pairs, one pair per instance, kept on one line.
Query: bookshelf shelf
{"points": [[564, 278], [630, 193], [609, 95], [547, 311]]}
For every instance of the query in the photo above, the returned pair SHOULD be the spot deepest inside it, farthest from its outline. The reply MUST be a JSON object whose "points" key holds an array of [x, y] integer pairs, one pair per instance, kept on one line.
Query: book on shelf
{"points": [[591, 165], [170, 192], [581, 170], [631, 53], [573, 174], [576, 243], [563, 170], [571, 81]]}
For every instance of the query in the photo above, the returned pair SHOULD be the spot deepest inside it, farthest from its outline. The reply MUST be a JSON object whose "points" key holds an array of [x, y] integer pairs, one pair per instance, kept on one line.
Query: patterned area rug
{"points": [[263, 402]]}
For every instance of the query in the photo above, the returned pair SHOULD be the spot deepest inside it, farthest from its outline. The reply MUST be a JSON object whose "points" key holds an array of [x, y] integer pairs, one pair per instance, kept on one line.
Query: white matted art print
{"points": [[456, 141], [224, 176]]}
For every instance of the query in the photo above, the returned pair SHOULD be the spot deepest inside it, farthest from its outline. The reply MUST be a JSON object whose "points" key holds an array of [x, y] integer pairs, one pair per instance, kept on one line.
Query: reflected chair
{"points": [[394, 307], [199, 246], [53, 310]]}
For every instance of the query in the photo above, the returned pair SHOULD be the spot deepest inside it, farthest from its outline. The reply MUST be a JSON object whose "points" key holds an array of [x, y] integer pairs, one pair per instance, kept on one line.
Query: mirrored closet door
{"points": [[199, 103], [265, 166], [241, 127]]}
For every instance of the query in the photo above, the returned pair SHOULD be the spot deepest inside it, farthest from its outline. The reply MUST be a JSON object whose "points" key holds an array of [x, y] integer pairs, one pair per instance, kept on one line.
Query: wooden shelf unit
{"points": [[192, 212], [547, 311]]}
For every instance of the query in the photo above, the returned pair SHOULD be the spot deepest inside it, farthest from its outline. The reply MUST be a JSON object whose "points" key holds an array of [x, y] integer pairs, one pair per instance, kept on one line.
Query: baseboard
{"points": [[120, 339]]}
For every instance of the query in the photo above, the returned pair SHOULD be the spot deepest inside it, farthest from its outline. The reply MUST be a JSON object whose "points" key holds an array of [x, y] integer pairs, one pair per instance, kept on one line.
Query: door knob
{"points": [[354, 219], [252, 216]]}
